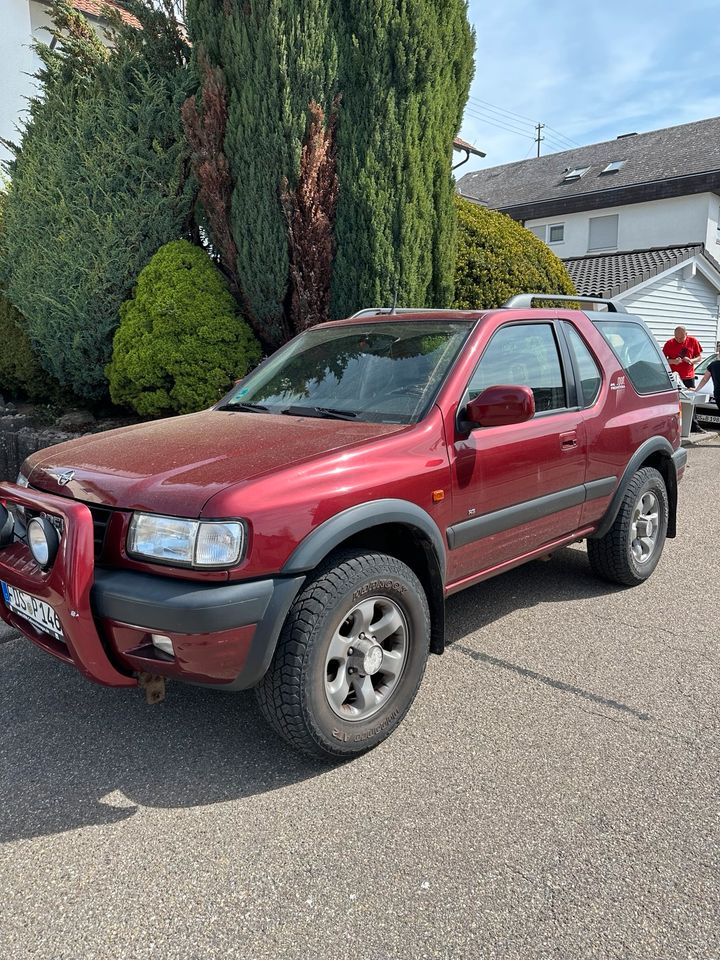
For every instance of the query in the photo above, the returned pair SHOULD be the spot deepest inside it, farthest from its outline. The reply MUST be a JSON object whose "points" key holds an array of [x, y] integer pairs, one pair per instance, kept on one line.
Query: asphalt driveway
{"points": [[553, 793]]}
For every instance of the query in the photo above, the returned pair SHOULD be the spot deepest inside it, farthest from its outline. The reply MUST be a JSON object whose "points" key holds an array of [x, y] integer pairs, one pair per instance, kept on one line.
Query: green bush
{"points": [[181, 342], [98, 184], [498, 258], [21, 376]]}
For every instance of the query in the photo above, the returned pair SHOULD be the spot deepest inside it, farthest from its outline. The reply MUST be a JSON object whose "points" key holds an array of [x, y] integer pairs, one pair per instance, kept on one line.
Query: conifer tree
{"points": [[405, 68], [276, 57], [390, 79]]}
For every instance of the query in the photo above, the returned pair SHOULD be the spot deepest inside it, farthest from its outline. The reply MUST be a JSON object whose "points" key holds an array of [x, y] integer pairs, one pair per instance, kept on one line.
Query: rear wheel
{"points": [[350, 657], [631, 549]]}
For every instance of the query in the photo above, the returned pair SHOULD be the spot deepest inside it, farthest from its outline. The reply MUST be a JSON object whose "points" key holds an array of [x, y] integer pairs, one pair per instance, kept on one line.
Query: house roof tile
{"points": [[673, 152], [94, 8], [607, 275]]}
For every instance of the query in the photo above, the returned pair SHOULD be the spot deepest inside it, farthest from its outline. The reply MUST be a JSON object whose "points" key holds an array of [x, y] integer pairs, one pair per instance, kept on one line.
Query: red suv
{"points": [[301, 536]]}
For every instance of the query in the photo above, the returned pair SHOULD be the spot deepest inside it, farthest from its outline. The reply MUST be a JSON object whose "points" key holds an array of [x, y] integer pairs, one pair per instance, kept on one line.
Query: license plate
{"points": [[40, 614], [706, 418]]}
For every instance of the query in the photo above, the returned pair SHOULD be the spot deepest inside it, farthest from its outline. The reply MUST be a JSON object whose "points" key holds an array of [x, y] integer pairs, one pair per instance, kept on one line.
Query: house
{"points": [[23, 22], [636, 219]]}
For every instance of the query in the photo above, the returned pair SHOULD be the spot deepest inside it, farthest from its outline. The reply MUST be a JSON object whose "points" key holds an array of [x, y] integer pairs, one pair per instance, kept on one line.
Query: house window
{"points": [[574, 174], [603, 233], [556, 233], [539, 232], [613, 166]]}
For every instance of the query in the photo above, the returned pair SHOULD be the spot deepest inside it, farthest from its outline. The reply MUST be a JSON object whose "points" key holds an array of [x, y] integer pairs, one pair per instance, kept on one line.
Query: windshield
{"points": [[384, 372]]}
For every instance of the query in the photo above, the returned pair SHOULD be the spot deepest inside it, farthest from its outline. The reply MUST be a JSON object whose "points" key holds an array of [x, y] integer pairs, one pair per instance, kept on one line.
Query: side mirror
{"points": [[499, 406]]}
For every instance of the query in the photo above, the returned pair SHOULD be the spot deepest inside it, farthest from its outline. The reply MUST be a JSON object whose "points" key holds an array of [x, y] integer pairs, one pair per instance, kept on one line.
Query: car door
{"points": [[519, 486]]}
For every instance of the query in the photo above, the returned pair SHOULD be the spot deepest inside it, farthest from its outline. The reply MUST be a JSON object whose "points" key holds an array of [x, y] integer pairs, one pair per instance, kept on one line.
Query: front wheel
{"points": [[350, 657], [631, 549]]}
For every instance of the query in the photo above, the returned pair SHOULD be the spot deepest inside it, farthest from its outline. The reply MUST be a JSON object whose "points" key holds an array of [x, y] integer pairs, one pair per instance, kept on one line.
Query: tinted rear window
{"points": [[638, 353]]}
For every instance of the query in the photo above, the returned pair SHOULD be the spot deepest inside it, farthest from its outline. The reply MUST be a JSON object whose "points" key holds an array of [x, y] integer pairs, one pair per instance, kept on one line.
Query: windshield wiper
{"points": [[245, 407], [327, 413]]}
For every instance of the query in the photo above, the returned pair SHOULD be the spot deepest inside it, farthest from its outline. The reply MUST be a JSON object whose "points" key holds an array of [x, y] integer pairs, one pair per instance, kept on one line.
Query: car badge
{"points": [[64, 479]]}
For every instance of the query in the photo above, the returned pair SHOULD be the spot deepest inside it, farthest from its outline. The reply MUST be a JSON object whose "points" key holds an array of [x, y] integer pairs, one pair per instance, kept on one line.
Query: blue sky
{"points": [[590, 70]]}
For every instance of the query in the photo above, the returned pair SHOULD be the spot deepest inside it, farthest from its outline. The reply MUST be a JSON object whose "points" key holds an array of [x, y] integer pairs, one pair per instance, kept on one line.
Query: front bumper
{"points": [[223, 634]]}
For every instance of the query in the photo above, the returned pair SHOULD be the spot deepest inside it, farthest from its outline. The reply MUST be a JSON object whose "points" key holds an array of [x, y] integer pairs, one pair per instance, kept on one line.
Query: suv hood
{"points": [[175, 466]]}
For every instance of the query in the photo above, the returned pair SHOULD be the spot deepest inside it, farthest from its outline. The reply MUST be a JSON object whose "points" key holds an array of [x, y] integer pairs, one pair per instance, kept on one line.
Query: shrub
{"points": [[180, 343], [498, 258], [20, 373], [98, 184]]}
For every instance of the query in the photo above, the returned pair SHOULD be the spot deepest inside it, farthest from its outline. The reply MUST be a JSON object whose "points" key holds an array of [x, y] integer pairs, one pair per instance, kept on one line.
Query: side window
{"points": [[590, 378], [638, 353], [525, 355]]}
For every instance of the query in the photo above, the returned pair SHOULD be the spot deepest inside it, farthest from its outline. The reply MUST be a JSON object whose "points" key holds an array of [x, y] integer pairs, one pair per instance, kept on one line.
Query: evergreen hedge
{"points": [[498, 258], [98, 184], [21, 376], [180, 343]]}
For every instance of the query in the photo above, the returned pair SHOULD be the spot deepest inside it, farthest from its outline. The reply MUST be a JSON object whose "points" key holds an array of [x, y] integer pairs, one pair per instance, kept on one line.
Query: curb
{"points": [[698, 438]]}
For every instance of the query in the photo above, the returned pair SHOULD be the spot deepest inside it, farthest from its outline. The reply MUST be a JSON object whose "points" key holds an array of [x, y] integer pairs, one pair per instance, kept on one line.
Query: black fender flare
{"points": [[374, 513], [652, 446]]}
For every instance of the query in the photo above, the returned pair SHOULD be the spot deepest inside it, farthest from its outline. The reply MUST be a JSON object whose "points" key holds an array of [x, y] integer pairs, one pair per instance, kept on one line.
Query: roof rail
{"points": [[524, 301], [387, 311]]}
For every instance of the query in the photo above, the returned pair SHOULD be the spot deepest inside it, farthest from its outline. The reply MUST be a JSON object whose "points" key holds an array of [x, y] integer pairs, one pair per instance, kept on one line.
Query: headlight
{"points": [[186, 543], [43, 541]]}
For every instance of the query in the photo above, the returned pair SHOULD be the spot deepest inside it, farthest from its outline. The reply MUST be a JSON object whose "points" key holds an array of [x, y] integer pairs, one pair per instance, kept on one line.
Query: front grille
{"points": [[101, 519]]}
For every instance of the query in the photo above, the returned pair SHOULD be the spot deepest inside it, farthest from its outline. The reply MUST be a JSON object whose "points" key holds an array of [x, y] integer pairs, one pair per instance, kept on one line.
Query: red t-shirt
{"points": [[688, 350]]}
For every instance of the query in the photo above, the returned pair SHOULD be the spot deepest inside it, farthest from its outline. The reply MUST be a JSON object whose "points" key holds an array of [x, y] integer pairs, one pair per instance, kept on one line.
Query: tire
{"points": [[324, 691], [632, 547]]}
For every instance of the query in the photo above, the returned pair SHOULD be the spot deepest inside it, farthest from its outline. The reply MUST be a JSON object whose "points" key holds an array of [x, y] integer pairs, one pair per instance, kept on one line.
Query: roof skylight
{"points": [[614, 166], [574, 174]]}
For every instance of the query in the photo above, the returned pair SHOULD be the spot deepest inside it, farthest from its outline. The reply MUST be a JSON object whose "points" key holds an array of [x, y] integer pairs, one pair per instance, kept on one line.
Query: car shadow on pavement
{"points": [[565, 578], [73, 754]]}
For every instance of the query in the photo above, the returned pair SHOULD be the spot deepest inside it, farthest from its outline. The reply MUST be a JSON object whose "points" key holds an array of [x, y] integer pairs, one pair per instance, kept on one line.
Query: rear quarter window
{"points": [[638, 354]]}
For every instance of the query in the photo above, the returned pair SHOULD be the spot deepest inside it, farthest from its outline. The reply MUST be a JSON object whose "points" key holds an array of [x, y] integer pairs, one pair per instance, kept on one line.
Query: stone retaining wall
{"points": [[18, 439]]}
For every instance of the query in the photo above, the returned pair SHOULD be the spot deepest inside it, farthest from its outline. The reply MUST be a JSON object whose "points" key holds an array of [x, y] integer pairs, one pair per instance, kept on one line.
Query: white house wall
{"points": [[21, 23], [40, 20], [677, 299], [16, 61], [712, 241], [656, 223]]}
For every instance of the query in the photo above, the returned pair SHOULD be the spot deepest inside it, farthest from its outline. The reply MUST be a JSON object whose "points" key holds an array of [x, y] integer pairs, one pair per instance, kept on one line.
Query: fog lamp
{"points": [[7, 527], [43, 541]]}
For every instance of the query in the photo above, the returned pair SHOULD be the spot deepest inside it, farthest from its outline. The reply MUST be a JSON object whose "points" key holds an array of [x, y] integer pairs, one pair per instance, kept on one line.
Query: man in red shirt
{"points": [[683, 352]]}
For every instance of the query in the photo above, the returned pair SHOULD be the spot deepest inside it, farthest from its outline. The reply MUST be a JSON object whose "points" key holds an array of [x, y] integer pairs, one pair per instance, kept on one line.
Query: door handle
{"points": [[568, 441]]}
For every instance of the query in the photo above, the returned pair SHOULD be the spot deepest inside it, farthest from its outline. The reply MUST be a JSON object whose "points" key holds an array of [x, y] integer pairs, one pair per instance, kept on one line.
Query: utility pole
{"points": [[538, 139]]}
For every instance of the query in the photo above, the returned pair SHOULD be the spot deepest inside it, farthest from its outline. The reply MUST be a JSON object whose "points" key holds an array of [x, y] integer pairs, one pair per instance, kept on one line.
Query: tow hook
{"points": [[154, 687]]}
